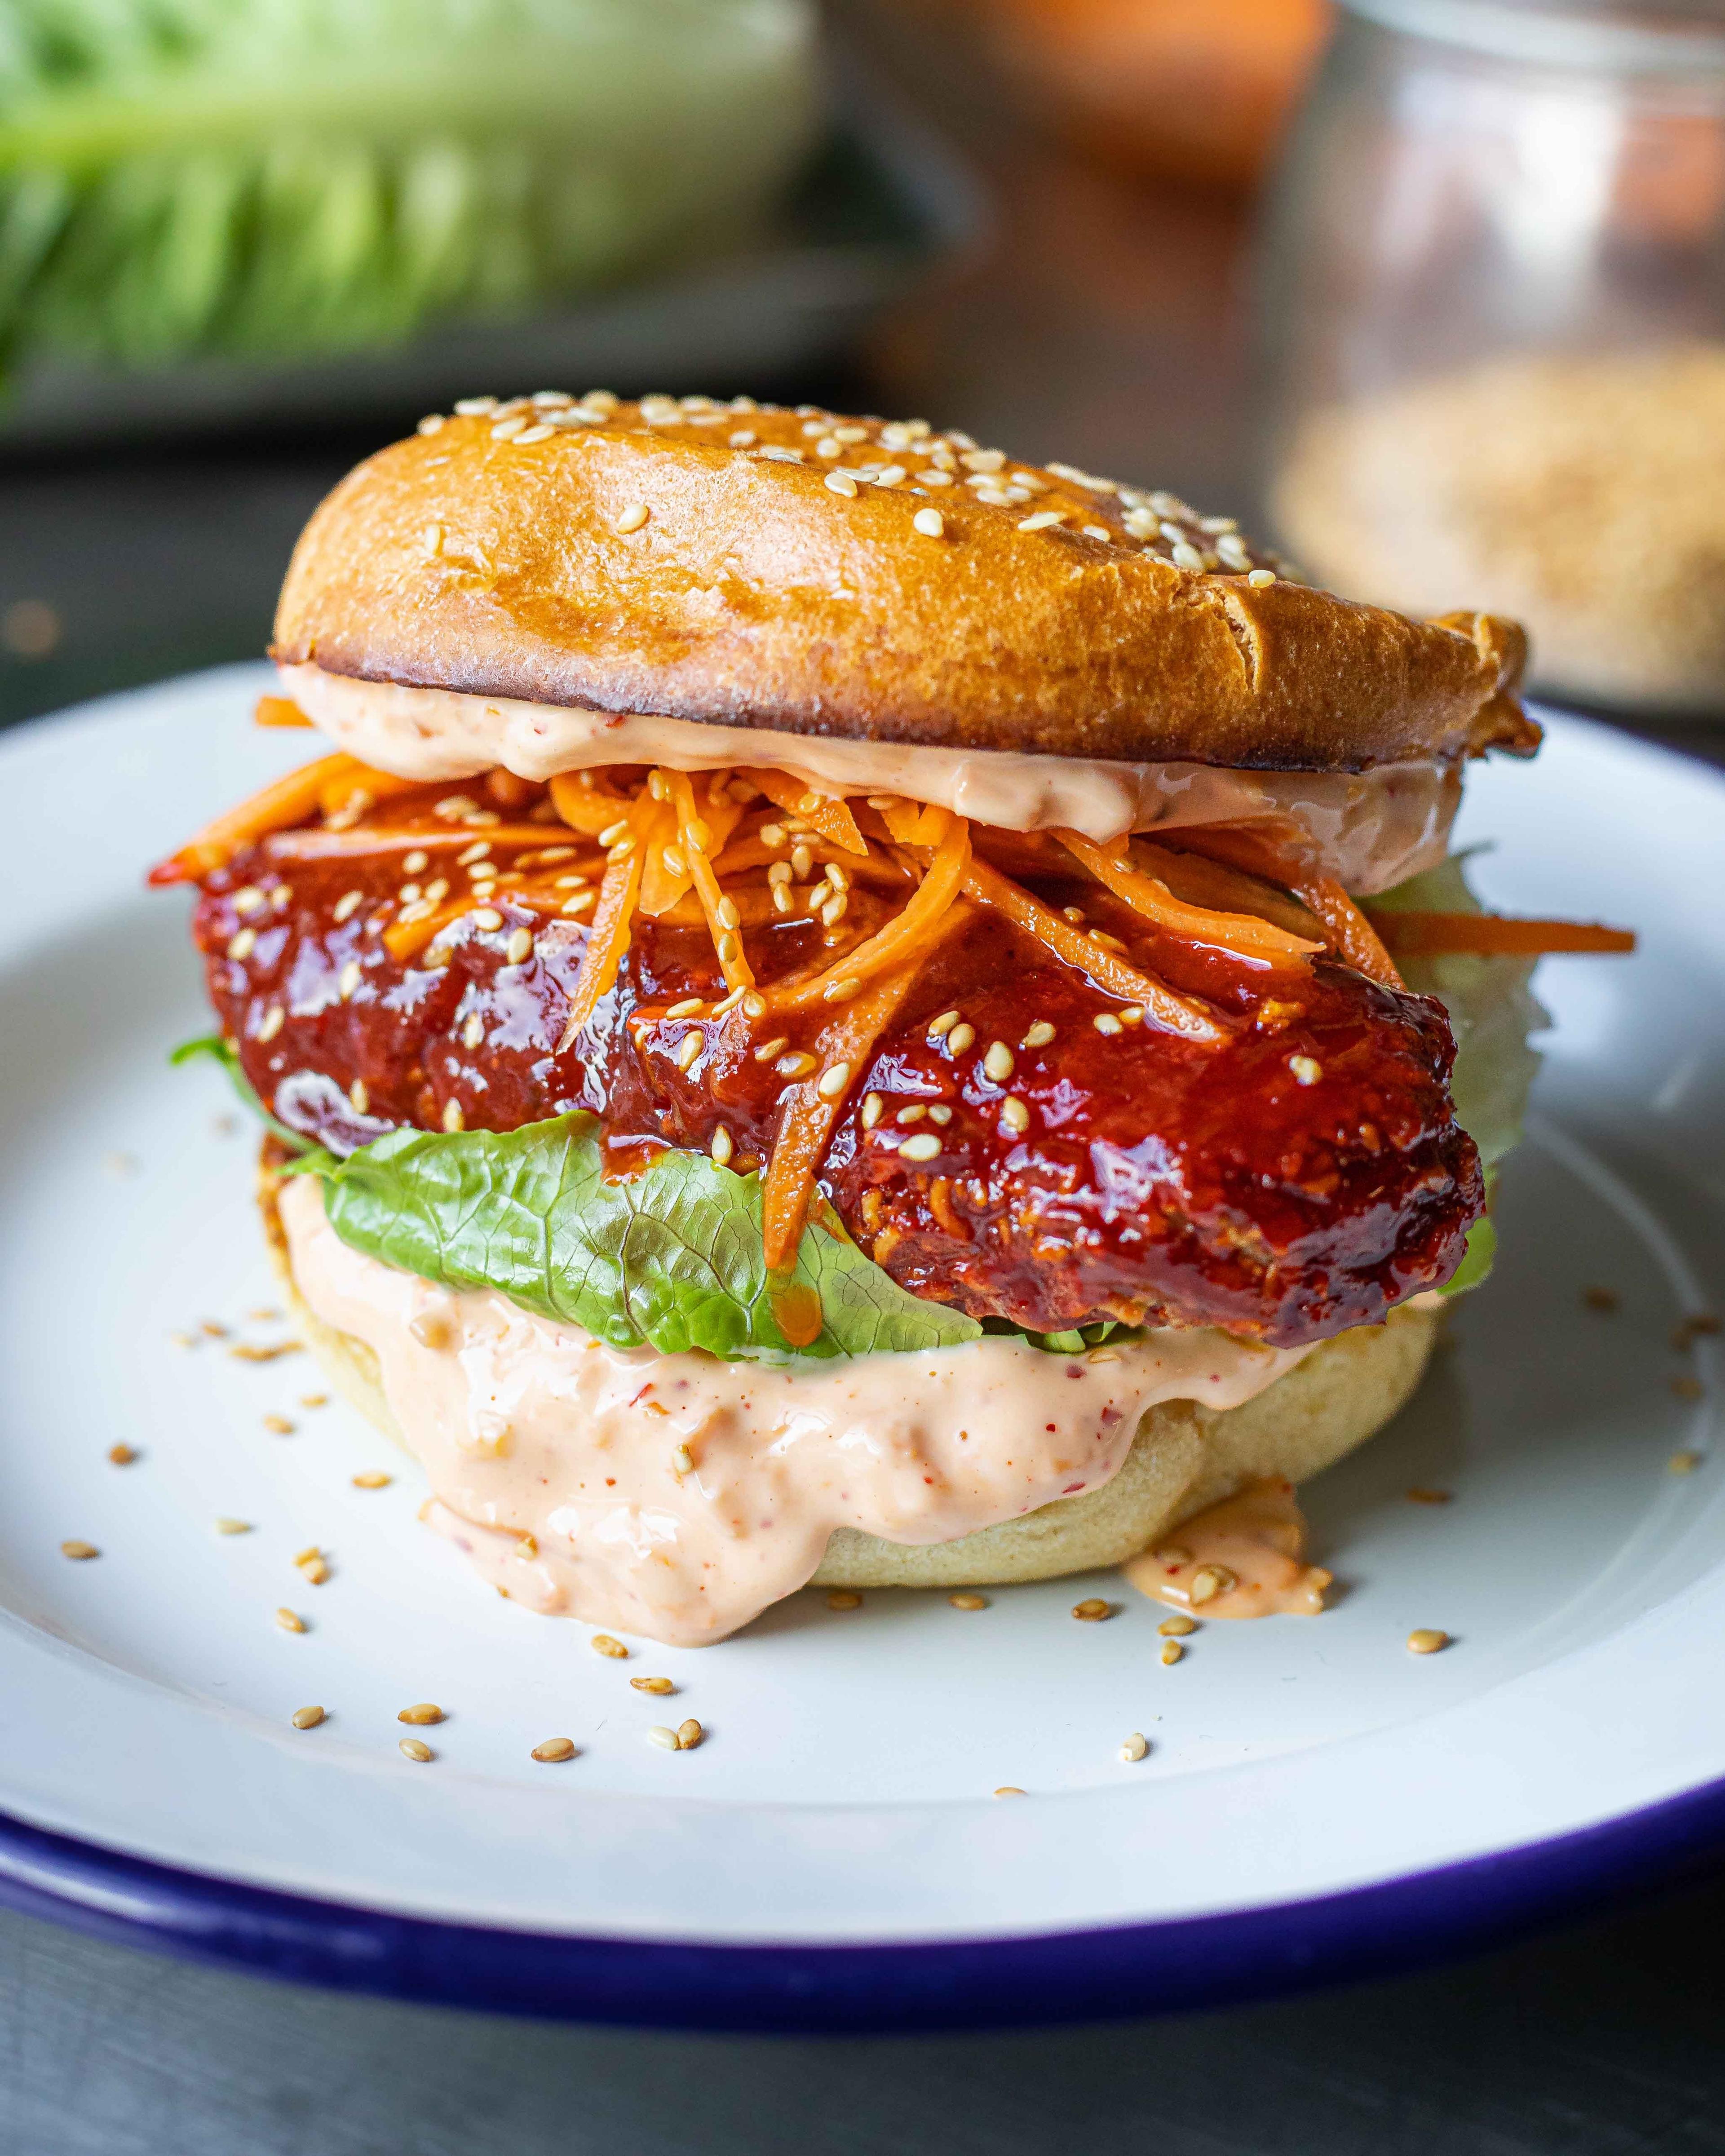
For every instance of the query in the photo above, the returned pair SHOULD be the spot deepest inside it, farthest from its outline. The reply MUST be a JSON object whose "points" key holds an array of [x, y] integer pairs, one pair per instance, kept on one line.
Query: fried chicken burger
{"points": [[836, 1015]]}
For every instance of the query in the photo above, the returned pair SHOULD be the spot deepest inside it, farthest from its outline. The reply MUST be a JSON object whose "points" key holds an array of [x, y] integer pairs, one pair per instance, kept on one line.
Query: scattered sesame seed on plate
{"points": [[602, 1643], [553, 1750], [226, 1526], [1134, 1747], [373, 1478], [423, 1715], [79, 1550], [651, 1684], [277, 1425], [1092, 1610], [968, 1601], [1683, 1463], [412, 1747], [290, 1621], [690, 1734], [1009, 1789], [1177, 1628], [306, 1717], [1426, 1640], [1171, 1651], [665, 1739], [122, 1455], [843, 1598]]}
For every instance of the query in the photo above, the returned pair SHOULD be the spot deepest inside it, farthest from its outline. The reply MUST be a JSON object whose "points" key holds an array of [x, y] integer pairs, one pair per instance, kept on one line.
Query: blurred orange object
{"points": [[1198, 89]]}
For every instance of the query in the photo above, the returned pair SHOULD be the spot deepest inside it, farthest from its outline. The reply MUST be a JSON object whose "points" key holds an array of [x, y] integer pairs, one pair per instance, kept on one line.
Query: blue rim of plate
{"points": [[1093, 1974]]}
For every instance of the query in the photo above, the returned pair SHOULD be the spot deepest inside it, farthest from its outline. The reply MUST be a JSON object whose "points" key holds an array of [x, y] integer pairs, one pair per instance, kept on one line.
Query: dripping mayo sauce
{"points": [[678, 1496], [1373, 828]]}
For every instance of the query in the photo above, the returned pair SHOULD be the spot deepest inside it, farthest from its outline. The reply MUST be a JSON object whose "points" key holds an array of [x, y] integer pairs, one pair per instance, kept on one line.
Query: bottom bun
{"points": [[1185, 1456]]}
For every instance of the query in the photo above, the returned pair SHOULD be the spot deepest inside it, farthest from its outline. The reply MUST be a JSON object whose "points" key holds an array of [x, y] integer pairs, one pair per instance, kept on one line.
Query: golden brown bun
{"points": [[1184, 1457], [753, 595]]}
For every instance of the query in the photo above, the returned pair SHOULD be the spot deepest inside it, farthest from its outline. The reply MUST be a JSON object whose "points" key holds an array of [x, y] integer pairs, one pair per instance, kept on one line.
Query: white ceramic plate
{"points": [[1314, 1798]]}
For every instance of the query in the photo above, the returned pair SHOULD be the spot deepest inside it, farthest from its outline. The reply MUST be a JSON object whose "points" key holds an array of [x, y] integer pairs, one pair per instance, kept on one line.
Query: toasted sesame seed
{"points": [[288, 1621], [1307, 1070], [602, 1643], [1043, 520], [722, 1147], [414, 1748], [79, 1550], [1426, 1640], [960, 1038], [1209, 1581], [633, 518], [1683, 1463], [241, 944], [1092, 1610], [122, 1455], [348, 980], [1106, 1022], [998, 1062], [841, 992], [1172, 1650], [726, 915], [1134, 1747], [690, 1734], [553, 1750], [422, 1716], [373, 1478], [938, 1027], [754, 1005], [273, 1020], [306, 1717], [360, 1094], [839, 482], [1009, 1789], [540, 433], [832, 1083], [473, 1030], [925, 1146], [225, 1526], [277, 1425], [658, 1684], [683, 1460], [520, 947], [939, 1113], [453, 1116], [768, 1049], [842, 1598], [1015, 1114], [796, 1064], [873, 1108], [1038, 1036], [313, 1570], [689, 1048], [1177, 1628], [930, 523], [968, 1601], [1258, 579], [914, 1114]]}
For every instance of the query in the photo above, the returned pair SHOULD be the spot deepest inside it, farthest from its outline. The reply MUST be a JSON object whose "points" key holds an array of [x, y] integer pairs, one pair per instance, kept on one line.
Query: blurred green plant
{"points": [[276, 178]]}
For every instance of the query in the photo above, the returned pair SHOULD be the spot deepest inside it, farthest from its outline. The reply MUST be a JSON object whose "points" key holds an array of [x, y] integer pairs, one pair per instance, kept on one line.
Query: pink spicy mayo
{"points": [[678, 1496], [1243, 1557]]}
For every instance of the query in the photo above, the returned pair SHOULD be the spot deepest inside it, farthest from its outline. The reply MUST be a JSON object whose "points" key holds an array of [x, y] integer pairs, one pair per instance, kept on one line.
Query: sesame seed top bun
{"points": [[753, 567]]}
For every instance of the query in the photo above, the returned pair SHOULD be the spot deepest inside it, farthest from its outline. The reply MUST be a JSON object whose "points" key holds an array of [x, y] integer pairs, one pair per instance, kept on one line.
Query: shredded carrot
{"points": [[1206, 882], [278, 711], [607, 938], [826, 812], [317, 844], [700, 836], [1173, 1013], [272, 807], [806, 1121], [909, 933], [407, 939], [1354, 936], [351, 792], [586, 809], [1245, 934], [1490, 935]]}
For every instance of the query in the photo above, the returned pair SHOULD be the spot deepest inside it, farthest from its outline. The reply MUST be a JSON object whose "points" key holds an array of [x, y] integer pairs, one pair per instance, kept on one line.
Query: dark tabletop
{"points": [[1102, 322]]}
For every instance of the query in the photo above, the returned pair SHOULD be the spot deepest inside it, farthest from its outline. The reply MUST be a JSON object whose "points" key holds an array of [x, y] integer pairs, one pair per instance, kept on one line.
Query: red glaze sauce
{"points": [[1158, 1180]]}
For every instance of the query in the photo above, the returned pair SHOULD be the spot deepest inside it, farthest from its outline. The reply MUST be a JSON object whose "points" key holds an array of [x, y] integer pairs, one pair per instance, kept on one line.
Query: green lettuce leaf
{"points": [[670, 1258], [1493, 1010], [273, 178], [1491, 1013], [212, 1048]]}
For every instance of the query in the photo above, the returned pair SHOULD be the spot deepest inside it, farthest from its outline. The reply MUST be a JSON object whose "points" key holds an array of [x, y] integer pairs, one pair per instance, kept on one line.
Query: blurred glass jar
{"points": [[1494, 318]]}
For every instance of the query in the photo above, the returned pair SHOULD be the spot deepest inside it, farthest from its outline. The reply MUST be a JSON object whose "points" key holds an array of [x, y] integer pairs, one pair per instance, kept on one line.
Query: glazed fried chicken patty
{"points": [[1015, 1146]]}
